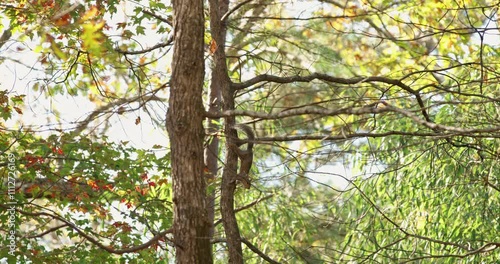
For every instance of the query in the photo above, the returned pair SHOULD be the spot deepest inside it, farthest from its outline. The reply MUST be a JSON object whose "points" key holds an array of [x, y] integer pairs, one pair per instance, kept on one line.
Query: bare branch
{"points": [[251, 247], [332, 79], [258, 252], [151, 13], [246, 207], [369, 109], [136, 52], [106, 108], [48, 231], [232, 10], [435, 126]]}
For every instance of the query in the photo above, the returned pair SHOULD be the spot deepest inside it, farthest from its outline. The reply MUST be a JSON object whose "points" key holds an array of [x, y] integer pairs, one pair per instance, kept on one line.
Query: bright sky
{"points": [[19, 72]]}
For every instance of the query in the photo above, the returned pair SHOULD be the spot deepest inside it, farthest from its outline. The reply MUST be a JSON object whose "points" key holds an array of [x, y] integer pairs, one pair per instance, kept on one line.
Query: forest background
{"points": [[376, 124]]}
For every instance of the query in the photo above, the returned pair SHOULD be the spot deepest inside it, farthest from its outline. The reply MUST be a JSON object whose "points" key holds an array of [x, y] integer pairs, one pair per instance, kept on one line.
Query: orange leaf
{"points": [[18, 110], [63, 21], [162, 181], [213, 46]]}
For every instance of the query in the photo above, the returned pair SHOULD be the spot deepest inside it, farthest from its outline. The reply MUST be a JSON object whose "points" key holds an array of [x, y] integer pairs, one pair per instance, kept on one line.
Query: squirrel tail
{"points": [[248, 132]]}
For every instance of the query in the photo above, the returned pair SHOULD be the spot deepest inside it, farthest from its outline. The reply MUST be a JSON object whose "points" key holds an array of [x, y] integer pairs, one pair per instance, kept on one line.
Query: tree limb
{"points": [[258, 252], [375, 108], [5, 36], [94, 241], [332, 79]]}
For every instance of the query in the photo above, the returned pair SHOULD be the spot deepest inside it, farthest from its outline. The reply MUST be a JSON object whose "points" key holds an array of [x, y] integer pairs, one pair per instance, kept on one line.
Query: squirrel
{"points": [[245, 155]]}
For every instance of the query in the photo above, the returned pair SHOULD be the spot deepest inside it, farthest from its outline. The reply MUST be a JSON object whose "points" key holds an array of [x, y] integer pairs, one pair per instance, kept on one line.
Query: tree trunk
{"points": [[186, 133], [219, 81], [211, 156], [218, 29]]}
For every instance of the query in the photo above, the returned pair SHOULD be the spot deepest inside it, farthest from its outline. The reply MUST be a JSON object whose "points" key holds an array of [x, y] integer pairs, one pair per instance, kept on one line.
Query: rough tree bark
{"points": [[185, 128]]}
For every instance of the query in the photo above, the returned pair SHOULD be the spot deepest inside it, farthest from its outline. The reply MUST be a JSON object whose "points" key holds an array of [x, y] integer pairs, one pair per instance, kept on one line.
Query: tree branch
{"points": [[246, 207], [94, 241], [48, 231], [258, 252], [228, 13], [106, 108], [374, 108], [136, 52], [481, 250], [332, 79], [151, 13], [5, 36]]}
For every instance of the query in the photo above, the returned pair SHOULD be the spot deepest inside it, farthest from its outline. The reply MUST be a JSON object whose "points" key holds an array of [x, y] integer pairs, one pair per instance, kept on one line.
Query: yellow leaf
{"points": [[55, 48], [92, 36], [90, 14]]}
